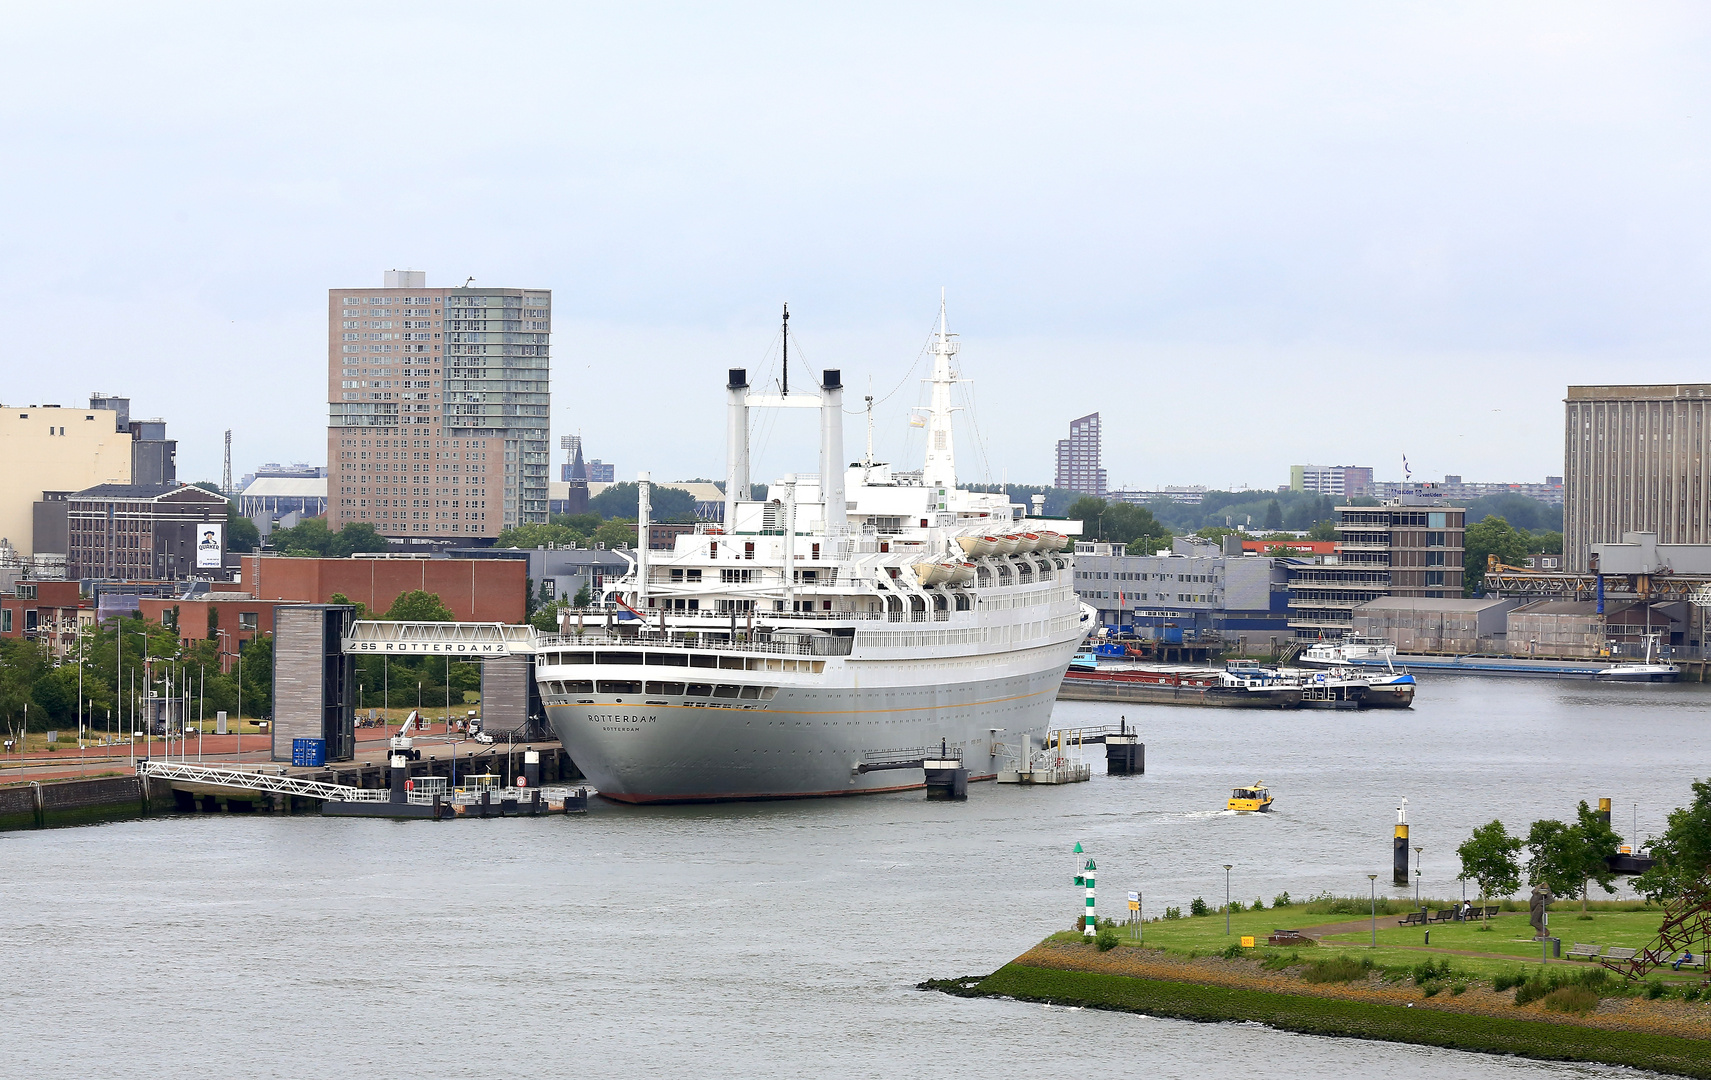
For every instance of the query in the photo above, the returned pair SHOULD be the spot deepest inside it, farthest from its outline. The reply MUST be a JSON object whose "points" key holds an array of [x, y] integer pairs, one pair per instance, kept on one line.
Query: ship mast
{"points": [[939, 470], [867, 462], [786, 338]]}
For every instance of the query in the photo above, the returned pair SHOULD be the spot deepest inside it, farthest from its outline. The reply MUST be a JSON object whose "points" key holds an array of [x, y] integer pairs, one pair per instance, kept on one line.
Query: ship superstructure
{"points": [[824, 634]]}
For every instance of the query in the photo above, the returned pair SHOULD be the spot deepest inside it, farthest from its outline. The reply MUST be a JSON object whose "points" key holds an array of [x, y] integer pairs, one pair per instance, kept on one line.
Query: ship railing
{"points": [[816, 646]]}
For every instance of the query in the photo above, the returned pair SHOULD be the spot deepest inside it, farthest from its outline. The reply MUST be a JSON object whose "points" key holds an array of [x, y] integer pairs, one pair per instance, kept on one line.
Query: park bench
{"points": [[1444, 915], [1289, 937], [1686, 959], [1616, 953], [1588, 952], [1413, 918]]}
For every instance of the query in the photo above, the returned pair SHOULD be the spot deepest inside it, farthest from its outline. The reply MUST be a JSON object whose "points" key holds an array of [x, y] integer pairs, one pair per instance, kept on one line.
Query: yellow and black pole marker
{"points": [[1399, 846], [1604, 810]]}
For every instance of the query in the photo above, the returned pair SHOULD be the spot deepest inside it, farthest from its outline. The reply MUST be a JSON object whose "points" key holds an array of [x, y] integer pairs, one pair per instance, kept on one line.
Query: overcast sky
{"points": [[1249, 234]]}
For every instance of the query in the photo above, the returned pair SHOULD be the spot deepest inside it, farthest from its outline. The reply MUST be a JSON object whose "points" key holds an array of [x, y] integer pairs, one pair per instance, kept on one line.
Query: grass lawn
{"points": [[1512, 934], [1398, 947]]}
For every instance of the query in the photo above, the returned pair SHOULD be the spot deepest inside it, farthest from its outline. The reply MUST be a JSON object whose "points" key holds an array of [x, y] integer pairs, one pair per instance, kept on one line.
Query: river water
{"points": [[781, 939]]}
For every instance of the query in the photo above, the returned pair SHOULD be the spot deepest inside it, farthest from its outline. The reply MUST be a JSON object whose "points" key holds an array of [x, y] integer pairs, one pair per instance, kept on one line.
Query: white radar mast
{"points": [[939, 470]]}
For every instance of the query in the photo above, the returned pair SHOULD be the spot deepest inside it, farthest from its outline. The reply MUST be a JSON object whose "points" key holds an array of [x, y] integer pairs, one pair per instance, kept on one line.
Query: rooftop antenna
{"points": [[466, 281], [786, 351], [226, 477]]}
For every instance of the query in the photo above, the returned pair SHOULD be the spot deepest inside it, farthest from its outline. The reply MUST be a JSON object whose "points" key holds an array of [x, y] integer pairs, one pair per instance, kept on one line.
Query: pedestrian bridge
{"points": [[440, 639]]}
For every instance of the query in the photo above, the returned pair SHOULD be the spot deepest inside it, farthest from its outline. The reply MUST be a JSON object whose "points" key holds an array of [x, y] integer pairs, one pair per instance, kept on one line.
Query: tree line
{"points": [[1570, 857]]}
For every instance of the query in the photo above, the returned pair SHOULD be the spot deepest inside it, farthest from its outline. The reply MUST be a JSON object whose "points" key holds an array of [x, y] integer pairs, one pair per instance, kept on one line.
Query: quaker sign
{"points": [[451, 648]]}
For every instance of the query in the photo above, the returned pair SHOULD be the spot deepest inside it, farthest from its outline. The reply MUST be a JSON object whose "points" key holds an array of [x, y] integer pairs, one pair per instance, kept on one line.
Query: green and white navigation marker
{"points": [[1090, 921]]}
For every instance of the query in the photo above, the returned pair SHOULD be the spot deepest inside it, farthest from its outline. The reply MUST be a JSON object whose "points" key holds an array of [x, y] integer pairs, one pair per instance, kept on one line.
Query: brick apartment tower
{"points": [[1078, 458], [437, 403]]}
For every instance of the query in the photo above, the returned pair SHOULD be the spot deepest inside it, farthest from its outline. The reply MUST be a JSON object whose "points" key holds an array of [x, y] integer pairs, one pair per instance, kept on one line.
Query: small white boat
{"points": [[1349, 650], [1647, 670], [1008, 543], [935, 573]]}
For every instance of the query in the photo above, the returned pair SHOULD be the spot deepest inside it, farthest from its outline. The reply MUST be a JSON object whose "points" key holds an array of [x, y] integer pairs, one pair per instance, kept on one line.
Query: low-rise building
{"points": [[1421, 624], [476, 590], [46, 612], [1197, 588]]}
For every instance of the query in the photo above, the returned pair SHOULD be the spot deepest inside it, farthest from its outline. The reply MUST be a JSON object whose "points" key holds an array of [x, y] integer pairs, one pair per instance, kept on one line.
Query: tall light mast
{"points": [[939, 470]]}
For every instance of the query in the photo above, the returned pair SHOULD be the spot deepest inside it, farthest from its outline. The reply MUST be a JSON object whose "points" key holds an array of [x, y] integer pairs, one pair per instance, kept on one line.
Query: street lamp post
{"points": [[1372, 880], [1226, 899], [1417, 851]]}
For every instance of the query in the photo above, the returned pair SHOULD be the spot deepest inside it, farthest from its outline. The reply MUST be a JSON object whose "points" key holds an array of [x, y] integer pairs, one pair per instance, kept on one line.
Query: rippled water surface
{"points": [[780, 939]]}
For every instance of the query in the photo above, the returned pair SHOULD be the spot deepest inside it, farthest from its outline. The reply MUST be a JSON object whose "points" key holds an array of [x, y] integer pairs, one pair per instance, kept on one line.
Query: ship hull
{"points": [[810, 739]]}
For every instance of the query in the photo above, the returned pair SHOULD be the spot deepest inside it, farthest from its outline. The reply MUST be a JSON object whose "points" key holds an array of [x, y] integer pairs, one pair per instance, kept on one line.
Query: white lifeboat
{"points": [[1051, 541], [976, 546], [1030, 542], [934, 573], [963, 574], [1008, 543]]}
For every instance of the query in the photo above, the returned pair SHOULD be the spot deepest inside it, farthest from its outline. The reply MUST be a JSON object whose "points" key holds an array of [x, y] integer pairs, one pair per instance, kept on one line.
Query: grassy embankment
{"points": [[1444, 994]]}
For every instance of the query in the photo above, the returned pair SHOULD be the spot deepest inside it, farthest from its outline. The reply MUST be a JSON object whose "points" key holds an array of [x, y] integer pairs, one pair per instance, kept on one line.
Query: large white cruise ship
{"points": [[818, 639]]}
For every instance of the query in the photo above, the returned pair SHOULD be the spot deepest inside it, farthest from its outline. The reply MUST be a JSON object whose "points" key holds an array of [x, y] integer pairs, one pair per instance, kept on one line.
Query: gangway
{"points": [[272, 783]]}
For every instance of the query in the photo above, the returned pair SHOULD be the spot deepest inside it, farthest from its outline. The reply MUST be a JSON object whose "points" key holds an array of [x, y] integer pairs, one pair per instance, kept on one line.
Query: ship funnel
{"points": [[736, 443], [832, 450]]}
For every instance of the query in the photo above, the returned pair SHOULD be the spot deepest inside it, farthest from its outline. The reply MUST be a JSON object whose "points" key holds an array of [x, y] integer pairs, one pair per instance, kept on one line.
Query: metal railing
{"points": [[827, 646], [273, 783]]}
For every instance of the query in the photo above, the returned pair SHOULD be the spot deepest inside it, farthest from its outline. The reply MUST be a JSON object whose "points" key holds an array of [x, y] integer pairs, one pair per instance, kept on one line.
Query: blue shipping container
{"points": [[308, 752], [1172, 635]]}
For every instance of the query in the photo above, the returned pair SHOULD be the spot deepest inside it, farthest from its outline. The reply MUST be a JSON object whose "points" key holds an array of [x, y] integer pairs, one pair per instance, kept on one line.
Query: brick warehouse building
{"points": [[438, 405], [476, 590], [146, 532]]}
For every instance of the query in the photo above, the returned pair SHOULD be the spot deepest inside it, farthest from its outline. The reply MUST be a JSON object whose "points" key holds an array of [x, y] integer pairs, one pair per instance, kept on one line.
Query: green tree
{"points": [[1598, 842], [1323, 530], [1683, 852], [583, 597], [241, 533], [1118, 523], [620, 501], [1488, 857], [581, 524], [1491, 536], [361, 613], [537, 535], [355, 537], [614, 533], [545, 618], [310, 537], [1553, 857], [1273, 515], [419, 606]]}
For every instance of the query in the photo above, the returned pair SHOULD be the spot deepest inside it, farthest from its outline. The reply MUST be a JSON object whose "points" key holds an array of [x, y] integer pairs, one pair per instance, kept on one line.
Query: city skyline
{"points": [[1195, 214]]}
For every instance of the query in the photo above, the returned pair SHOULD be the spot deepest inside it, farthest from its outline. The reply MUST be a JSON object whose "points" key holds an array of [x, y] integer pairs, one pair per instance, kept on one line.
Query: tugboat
{"points": [[1250, 800]]}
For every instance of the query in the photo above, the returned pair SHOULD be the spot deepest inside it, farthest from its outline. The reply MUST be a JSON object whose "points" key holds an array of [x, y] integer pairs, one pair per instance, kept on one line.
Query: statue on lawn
{"points": [[1536, 905]]}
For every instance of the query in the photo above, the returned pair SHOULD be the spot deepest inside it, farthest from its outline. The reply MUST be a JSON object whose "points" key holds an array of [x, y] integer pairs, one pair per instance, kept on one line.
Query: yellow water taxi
{"points": [[1254, 799]]}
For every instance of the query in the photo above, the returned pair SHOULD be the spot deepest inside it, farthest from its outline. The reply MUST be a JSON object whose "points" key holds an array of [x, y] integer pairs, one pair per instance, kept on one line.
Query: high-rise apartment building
{"points": [[1344, 481], [1635, 460], [438, 406], [1078, 458]]}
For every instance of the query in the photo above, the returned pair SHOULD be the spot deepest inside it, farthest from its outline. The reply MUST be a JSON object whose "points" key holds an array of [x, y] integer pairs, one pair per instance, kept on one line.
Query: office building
{"points": [[1195, 587], [150, 532], [560, 572], [1078, 458], [1341, 481], [1455, 489], [1634, 460], [602, 472], [1190, 495], [438, 404], [1412, 546]]}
